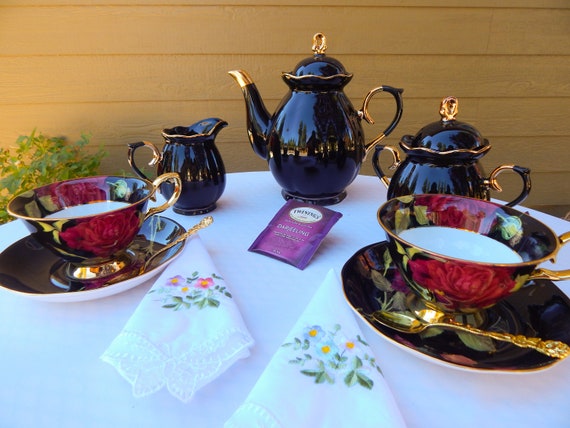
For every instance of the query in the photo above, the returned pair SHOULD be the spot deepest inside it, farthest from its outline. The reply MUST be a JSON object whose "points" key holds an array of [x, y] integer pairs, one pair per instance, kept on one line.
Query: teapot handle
{"points": [[376, 164], [523, 172], [363, 112], [156, 157]]}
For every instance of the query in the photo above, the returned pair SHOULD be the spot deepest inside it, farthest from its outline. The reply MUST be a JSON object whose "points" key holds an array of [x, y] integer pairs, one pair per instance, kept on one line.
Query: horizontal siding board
{"points": [[103, 78], [283, 29], [544, 4], [493, 117]]}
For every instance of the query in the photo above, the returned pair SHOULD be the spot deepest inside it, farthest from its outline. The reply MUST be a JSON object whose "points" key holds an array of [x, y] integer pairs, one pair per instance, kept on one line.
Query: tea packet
{"points": [[295, 233]]}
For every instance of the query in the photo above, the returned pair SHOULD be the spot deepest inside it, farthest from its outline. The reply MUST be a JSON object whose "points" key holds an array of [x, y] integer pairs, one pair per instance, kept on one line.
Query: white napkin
{"points": [[186, 331], [323, 375]]}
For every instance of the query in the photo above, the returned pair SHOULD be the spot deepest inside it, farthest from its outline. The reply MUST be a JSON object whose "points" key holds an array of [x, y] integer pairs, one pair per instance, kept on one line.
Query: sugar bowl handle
{"points": [[523, 172], [376, 162]]}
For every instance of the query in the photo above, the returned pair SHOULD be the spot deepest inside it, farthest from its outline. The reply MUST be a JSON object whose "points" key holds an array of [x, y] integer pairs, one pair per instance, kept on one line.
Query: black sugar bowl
{"points": [[443, 157]]}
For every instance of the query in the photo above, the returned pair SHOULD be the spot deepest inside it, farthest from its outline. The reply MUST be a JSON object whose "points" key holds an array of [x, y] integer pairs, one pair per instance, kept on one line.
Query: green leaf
{"points": [[364, 380], [357, 363], [420, 211], [361, 340], [321, 377], [476, 342], [431, 332], [312, 373], [387, 258], [351, 378], [412, 251], [380, 281], [406, 199], [402, 219]]}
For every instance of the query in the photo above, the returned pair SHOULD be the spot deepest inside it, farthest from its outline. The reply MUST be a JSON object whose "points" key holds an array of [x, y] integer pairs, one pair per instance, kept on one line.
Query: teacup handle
{"points": [[169, 176], [156, 157], [523, 172], [376, 164], [363, 113], [553, 275]]}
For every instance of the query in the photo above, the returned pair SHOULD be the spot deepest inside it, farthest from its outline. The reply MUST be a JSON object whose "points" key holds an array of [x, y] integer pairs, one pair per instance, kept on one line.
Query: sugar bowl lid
{"points": [[318, 70], [447, 136]]}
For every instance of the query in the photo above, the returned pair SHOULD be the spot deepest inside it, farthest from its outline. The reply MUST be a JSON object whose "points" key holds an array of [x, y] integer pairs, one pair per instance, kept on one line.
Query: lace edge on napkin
{"points": [[252, 415], [149, 368]]}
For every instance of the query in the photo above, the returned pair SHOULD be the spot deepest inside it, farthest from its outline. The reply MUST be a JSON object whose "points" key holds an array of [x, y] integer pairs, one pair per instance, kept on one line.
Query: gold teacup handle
{"points": [[553, 275], [169, 176]]}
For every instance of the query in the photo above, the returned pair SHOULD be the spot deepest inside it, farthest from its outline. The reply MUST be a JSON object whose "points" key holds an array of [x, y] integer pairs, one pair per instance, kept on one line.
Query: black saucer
{"points": [[538, 310], [26, 267]]}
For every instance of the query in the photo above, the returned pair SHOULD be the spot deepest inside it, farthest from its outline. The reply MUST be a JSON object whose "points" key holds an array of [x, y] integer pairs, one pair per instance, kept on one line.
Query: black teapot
{"points": [[191, 152], [443, 157], [314, 142]]}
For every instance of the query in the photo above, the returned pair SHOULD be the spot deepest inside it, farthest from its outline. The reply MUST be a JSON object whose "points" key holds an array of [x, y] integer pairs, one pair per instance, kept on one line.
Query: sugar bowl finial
{"points": [[449, 108], [319, 44]]}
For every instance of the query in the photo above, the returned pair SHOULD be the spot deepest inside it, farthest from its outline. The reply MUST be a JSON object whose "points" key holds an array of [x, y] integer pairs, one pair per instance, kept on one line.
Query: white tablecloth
{"points": [[51, 374]]}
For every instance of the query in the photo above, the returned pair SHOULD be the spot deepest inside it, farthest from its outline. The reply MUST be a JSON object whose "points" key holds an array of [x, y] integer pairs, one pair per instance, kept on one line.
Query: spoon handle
{"points": [[552, 348], [205, 222]]}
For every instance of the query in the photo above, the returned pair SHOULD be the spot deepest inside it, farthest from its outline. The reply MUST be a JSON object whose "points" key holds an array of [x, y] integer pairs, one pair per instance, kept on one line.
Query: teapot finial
{"points": [[319, 44], [449, 108]]}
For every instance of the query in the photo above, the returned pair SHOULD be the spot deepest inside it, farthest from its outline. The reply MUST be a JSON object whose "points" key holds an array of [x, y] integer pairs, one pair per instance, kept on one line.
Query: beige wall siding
{"points": [[123, 70]]}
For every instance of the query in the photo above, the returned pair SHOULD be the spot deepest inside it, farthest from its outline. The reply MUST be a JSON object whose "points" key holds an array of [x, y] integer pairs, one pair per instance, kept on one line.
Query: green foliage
{"points": [[37, 160]]}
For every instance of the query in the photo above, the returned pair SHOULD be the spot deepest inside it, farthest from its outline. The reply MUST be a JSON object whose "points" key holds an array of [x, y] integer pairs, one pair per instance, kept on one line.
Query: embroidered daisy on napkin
{"points": [[323, 375], [186, 331]]}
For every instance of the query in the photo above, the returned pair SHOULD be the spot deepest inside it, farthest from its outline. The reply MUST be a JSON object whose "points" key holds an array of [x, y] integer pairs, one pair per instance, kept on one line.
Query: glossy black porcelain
{"points": [[372, 282], [27, 267], [314, 142], [191, 152], [443, 157]]}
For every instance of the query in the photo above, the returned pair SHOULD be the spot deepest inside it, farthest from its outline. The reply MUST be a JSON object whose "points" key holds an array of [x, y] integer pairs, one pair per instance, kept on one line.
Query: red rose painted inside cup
{"points": [[90, 222], [460, 254]]}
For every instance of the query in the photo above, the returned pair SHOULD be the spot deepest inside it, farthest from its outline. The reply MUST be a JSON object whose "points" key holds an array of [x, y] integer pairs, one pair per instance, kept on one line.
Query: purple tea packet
{"points": [[295, 233]]}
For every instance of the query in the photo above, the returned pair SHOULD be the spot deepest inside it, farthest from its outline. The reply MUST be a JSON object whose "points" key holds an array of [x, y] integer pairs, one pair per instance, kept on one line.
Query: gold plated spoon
{"points": [[426, 318], [205, 222]]}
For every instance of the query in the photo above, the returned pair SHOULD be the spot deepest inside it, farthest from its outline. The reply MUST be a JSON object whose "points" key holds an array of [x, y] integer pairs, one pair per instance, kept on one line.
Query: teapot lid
{"points": [[319, 70], [447, 136]]}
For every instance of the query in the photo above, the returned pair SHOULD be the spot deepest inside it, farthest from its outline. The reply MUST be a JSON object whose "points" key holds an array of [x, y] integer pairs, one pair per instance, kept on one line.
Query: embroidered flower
{"points": [[175, 281], [314, 333], [326, 354], [349, 345], [327, 350], [194, 291], [204, 283]]}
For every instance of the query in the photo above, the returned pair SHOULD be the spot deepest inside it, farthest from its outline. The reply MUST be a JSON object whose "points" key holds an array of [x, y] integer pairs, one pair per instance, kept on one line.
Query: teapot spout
{"points": [[258, 118]]}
